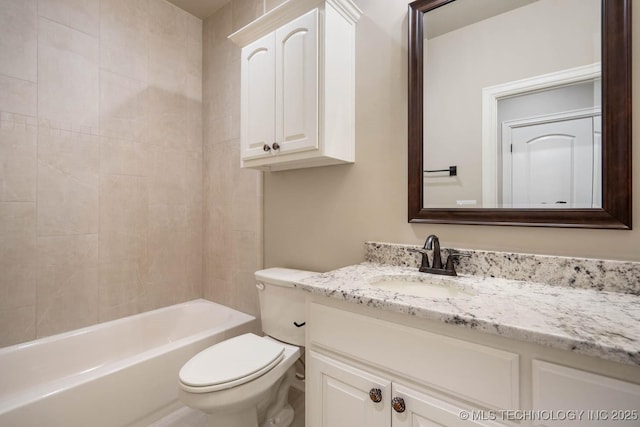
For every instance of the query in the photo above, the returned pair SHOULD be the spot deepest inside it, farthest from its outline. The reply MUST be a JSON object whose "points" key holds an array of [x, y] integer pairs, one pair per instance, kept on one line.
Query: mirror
{"points": [[516, 123]]}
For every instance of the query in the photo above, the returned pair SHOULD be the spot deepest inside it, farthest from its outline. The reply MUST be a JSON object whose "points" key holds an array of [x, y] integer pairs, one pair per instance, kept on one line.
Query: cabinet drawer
{"points": [[478, 373], [605, 401]]}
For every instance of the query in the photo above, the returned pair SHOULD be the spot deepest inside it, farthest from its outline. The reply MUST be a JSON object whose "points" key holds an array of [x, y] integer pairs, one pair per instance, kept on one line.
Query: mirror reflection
{"points": [[512, 99]]}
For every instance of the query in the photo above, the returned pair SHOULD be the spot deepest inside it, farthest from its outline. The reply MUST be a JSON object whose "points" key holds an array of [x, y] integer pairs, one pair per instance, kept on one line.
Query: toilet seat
{"points": [[230, 363]]}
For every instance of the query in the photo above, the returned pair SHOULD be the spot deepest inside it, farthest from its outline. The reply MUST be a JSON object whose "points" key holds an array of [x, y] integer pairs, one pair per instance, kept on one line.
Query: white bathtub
{"points": [[117, 373]]}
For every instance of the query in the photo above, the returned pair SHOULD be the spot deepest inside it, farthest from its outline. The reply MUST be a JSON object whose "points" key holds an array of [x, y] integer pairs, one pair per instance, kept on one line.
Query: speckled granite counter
{"points": [[586, 321]]}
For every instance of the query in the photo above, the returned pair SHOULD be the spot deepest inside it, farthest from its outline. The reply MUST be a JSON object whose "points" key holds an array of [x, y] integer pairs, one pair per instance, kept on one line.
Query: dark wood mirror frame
{"points": [[616, 134]]}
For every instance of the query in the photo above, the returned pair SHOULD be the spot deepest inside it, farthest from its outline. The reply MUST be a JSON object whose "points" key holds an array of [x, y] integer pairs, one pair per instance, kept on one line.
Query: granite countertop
{"points": [[591, 322]]}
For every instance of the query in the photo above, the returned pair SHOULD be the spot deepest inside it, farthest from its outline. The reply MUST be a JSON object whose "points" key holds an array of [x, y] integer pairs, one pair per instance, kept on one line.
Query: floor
{"points": [[187, 417]]}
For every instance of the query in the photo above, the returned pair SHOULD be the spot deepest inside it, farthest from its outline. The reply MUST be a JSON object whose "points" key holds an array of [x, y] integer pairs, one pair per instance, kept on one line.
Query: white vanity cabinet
{"points": [[351, 356], [348, 396], [446, 376], [297, 86]]}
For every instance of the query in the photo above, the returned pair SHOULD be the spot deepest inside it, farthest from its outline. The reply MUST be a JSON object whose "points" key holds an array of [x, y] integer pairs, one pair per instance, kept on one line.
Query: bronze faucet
{"points": [[433, 243]]}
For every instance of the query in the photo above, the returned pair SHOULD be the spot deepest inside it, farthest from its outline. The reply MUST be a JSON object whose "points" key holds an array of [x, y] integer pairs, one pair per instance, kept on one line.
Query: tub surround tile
{"points": [[17, 325], [68, 78], [17, 265], [578, 273], [67, 283], [97, 100], [586, 321], [81, 15], [68, 170], [18, 96], [18, 142], [123, 106], [18, 39], [123, 218]]}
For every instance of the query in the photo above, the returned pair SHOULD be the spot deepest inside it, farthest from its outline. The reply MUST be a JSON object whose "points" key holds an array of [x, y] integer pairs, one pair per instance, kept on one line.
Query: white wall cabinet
{"points": [[297, 86]]}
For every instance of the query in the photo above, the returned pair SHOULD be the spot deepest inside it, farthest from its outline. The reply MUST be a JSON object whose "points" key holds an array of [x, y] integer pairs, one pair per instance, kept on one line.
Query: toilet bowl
{"points": [[244, 381]]}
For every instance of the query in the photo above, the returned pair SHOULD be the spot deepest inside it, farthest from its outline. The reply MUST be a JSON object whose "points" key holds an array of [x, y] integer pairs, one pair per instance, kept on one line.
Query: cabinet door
{"points": [[599, 401], [257, 97], [338, 395], [297, 84], [424, 410]]}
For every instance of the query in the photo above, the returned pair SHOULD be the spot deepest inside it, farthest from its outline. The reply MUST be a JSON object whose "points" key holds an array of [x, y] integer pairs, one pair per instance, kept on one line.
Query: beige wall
{"points": [[319, 218], [100, 162]]}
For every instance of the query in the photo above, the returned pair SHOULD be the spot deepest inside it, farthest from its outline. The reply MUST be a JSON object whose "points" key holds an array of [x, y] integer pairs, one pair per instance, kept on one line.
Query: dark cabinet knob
{"points": [[275, 146], [398, 404], [375, 394], [266, 147]]}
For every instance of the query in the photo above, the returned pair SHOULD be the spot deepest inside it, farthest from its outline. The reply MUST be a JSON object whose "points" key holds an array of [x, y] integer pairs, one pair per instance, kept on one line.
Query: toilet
{"points": [[244, 381]]}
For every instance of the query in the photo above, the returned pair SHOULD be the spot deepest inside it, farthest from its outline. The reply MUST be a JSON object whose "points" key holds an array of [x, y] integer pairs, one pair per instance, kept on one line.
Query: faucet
{"points": [[433, 243]]}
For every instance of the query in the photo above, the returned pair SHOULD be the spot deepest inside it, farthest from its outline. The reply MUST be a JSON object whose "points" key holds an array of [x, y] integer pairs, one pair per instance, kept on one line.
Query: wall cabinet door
{"points": [[258, 97], [296, 100], [338, 395], [424, 410], [279, 90]]}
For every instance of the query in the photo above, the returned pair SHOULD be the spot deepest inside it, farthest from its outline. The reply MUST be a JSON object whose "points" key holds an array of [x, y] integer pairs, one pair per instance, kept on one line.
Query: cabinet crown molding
{"points": [[287, 11]]}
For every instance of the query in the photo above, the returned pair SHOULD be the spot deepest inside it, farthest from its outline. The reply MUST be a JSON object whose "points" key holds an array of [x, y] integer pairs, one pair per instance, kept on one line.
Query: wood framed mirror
{"points": [[614, 209]]}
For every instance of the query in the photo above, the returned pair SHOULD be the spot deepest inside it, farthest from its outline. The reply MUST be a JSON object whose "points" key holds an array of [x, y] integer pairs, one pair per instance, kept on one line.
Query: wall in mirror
{"points": [[512, 97]]}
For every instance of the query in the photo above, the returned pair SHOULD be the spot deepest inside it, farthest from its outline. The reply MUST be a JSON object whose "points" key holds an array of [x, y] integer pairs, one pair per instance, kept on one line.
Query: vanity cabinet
{"points": [[297, 86], [360, 360], [348, 396], [351, 355]]}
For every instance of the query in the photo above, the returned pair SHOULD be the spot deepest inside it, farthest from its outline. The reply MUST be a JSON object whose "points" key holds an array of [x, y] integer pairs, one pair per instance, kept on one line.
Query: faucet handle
{"points": [[425, 257], [452, 255]]}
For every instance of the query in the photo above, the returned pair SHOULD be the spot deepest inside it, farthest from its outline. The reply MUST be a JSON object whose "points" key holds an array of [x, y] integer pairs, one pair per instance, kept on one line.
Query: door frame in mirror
{"points": [[616, 135]]}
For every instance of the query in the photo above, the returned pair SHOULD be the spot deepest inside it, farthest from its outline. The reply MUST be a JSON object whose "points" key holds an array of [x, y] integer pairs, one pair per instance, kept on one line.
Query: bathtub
{"points": [[119, 373]]}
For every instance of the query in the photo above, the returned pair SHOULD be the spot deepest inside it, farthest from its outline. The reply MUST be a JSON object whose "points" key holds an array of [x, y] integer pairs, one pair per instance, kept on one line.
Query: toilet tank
{"points": [[282, 306]]}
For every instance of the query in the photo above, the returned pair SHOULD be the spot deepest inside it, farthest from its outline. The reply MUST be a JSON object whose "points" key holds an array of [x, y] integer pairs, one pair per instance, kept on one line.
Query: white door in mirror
{"points": [[552, 165]]}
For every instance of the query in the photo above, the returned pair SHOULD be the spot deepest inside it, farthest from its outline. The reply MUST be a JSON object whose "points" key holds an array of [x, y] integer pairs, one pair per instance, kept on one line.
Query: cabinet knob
{"points": [[398, 404], [266, 148], [275, 146], [375, 394]]}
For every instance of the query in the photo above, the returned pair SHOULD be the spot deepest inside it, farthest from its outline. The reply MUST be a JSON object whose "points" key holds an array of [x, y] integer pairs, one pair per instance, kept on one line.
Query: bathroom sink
{"points": [[420, 286]]}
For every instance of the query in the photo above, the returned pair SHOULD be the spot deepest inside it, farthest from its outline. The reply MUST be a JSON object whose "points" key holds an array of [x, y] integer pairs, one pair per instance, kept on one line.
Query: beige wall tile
{"points": [[167, 237], [17, 161], [194, 28], [67, 283], [82, 15], [68, 80], [123, 106], [18, 96], [124, 157], [68, 170], [124, 22], [18, 39], [123, 218], [17, 259], [124, 35], [17, 325], [168, 184], [120, 285], [167, 120]]}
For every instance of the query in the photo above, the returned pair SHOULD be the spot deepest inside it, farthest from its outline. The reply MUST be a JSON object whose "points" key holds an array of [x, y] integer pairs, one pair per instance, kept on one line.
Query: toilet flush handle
{"points": [[260, 286]]}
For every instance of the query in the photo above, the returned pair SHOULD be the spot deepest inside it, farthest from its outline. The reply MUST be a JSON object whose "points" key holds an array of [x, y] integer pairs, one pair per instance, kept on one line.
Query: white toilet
{"points": [[244, 381]]}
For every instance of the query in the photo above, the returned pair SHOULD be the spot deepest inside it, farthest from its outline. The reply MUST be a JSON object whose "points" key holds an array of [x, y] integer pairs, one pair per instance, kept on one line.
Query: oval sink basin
{"points": [[416, 286]]}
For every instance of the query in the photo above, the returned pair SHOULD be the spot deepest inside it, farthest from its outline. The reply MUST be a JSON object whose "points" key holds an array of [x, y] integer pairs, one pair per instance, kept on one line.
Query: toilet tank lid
{"points": [[282, 276]]}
